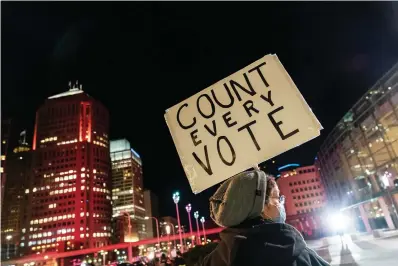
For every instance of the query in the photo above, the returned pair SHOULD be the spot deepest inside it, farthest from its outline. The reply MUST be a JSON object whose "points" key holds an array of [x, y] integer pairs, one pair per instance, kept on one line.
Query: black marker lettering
{"points": [[249, 91], [267, 98], [260, 73], [279, 123], [231, 149], [231, 98], [227, 119], [213, 109], [179, 121], [247, 126], [248, 105], [206, 167], [194, 137], [214, 131]]}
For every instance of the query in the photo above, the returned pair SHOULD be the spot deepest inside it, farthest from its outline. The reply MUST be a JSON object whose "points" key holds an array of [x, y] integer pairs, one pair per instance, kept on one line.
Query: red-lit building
{"points": [[69, 191], [305, 197]]}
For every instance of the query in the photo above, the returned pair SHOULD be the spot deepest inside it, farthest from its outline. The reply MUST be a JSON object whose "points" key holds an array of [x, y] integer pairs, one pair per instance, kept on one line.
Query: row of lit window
{"points": [[50, 219], [101, 234], [49, 139], [61, 191], [40, 247], [100, 144], [65, 178], [67, 142]]}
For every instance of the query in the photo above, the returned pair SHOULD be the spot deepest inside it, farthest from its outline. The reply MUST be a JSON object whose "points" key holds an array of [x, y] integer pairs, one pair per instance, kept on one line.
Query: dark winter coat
{"points": [[259, 242]]}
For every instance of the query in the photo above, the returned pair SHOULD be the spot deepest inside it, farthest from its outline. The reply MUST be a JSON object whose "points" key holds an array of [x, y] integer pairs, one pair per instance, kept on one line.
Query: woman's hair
{"points": [[271, 183]]}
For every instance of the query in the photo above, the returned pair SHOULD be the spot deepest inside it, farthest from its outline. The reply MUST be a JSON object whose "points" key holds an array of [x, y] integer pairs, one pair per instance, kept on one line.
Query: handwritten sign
{"points": [[247, 118]]}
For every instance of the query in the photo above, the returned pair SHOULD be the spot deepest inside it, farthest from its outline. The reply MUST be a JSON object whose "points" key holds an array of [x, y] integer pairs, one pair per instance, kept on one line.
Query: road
{"points": [[365, 251]]}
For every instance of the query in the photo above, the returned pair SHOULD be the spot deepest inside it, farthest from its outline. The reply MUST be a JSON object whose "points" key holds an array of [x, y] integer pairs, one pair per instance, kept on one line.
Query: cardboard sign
{"points": [[247, 118]]}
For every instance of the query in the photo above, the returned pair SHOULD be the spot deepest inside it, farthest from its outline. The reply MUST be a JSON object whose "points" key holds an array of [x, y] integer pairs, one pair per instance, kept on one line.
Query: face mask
{"points": [[281, 218], [282, 214]]}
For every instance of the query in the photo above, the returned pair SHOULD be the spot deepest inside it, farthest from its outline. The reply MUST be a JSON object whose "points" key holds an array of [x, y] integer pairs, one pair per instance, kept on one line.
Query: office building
{"points": [[358, 160], [152, 210], [127, 191], [305, 197], [5, 139], [69, 191], [13, 212]]}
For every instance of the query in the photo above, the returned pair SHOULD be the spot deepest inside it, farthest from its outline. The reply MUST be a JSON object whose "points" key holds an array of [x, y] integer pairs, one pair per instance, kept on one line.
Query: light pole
{"points": [[157, 228], [189, 208], [202, 220], [176, 198], [9, 237], [130, 249], [196, 215], [103, 253], [168, 241]]}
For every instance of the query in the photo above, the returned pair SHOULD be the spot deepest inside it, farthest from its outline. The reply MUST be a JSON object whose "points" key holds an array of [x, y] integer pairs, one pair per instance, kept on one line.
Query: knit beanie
{"points": [[239, 198]]}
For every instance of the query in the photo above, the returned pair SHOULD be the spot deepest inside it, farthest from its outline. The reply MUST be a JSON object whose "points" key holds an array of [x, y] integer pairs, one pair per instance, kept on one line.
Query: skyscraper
{"points": [[69, 191], [15, 202], [5, 135], [127, 191]]}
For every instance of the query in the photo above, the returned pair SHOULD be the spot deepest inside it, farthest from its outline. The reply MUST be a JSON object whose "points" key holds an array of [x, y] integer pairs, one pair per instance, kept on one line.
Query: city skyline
{"points": [[125, 61]]}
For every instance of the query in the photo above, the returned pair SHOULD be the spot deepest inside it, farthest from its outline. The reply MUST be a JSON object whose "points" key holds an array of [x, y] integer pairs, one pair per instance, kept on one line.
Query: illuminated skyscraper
{"points": [[127, 190], [69, 190]]}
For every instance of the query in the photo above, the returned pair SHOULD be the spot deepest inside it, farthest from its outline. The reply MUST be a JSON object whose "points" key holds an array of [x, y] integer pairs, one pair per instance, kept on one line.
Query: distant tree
{"points": [[198, 253]]}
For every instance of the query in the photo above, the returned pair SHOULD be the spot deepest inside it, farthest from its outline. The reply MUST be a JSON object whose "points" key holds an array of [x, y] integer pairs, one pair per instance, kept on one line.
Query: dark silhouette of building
{"points": [[152, 210], [15, 201]]}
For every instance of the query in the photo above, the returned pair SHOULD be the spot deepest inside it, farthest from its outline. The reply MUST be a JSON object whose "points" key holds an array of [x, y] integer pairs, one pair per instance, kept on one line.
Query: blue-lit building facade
{"points": [[358, 161], [127, 192]]}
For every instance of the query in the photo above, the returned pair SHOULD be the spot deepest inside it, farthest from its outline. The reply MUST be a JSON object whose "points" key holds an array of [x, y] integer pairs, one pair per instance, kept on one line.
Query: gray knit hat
{"points": [[239, 198]]}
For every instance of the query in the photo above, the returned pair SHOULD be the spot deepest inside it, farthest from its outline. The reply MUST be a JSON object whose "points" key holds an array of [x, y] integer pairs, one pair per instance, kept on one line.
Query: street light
{"points": [[196, 215], [189, 208], [202, 220], [130, 250], [176, 198], [168, 227], [157, 227], [9, 237]]}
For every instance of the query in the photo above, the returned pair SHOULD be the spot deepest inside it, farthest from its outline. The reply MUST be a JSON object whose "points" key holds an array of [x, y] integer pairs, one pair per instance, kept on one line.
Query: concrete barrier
{"points": [[381, 233]]}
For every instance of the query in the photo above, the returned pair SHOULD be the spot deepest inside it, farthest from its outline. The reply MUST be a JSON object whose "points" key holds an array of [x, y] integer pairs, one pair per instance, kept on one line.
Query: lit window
{"points": [[3, 157]]}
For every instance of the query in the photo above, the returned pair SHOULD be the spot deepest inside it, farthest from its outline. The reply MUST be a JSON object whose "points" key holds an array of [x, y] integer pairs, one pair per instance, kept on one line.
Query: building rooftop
{"points": [[73, 89]]}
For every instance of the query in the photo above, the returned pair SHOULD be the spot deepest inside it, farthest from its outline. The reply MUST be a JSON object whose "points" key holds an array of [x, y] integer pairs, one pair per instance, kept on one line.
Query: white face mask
{"points": [[281, 218]]}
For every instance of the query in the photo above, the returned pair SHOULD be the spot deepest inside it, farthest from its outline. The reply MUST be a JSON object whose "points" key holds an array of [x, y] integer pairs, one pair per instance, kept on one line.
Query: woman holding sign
{"points": [[250, 206]]}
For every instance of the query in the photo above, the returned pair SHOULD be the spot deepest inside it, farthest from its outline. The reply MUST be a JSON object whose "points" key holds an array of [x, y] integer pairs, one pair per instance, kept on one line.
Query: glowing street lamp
{"points": [[189, 208], [157, 228], [202, 220], [176, 198], [196, 215], [9, 237], [130, 249]]}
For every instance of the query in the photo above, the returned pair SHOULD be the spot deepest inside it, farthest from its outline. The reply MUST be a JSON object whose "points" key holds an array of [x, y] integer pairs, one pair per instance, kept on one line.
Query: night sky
{"points": [[141, 58]]}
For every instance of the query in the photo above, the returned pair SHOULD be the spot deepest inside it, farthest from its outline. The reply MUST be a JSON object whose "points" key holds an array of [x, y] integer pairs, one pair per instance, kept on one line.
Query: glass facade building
{"points": [[358, 161], [127, 191]]}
